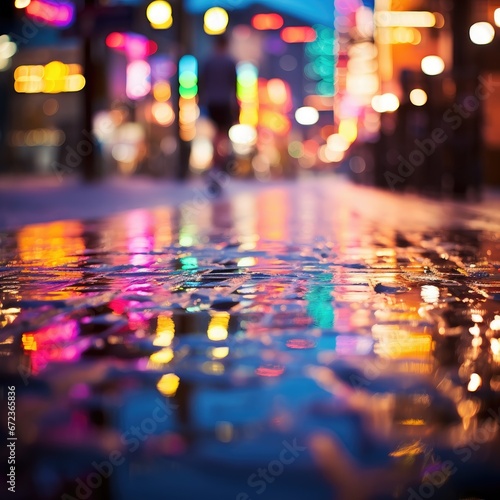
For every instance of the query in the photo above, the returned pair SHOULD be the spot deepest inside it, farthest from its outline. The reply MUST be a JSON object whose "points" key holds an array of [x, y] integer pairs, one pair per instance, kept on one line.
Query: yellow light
{"points": [[73, 83], [348, 129], [162, 357], [432, 65], [217, 329], [410, 19], [165, 331], [55, 70], [159, 14], [168, 384], [497, 17], [418, 97], [162, 91], [482, 33], [215, 20], [220, 352], [22, 4]]}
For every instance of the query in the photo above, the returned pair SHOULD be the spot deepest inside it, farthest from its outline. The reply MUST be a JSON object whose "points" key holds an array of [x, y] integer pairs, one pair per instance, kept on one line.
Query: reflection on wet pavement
{"points": [[281, 344]]}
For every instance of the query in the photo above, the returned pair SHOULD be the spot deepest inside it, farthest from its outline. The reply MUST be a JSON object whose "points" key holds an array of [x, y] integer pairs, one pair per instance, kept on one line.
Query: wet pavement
{"points": [[317, 340]]}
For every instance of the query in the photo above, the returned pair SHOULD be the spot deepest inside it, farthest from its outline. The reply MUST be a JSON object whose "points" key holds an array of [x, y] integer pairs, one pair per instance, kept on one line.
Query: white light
{"points": [[497, 17], [337, 143], [243, 137], [482, 33], [418, 97], [432, 65], [307, 115], [385, 103]]}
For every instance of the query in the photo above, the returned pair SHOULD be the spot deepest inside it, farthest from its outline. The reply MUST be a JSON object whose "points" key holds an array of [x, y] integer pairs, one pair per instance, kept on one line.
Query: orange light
{"points": [[267, 22], [298, 34]]}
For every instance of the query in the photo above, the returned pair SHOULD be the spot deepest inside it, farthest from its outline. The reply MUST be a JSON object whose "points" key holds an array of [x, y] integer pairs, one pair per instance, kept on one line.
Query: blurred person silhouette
{"points": [[217, 84]]}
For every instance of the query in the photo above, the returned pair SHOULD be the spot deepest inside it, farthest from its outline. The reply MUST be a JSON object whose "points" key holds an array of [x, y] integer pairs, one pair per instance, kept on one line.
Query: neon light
{"points": [[58, 14], [298, 34], [267, 22]]}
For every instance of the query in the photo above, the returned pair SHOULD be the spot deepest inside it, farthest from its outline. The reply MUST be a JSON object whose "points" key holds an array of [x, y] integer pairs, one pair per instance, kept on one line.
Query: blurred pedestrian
{"points": [[217, 85]]}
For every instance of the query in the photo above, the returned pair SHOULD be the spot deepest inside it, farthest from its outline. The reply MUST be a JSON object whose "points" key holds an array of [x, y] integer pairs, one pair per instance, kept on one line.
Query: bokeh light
{"points": [[215, 21], [385, 103], [432, 65], [496, 17], [159, 14], [418, 97], [482, 33], [307, 115]]}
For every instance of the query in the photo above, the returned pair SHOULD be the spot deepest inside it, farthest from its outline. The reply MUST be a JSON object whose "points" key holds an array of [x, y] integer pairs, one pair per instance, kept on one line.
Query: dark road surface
{"points": [[308, 341]]}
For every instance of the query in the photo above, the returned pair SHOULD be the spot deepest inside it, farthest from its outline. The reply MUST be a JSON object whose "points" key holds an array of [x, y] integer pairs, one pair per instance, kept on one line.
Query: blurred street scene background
{"points": [[400, 94]]}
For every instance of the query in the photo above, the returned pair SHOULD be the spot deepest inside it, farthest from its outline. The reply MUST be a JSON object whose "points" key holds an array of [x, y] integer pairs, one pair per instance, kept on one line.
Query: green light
{"points": [[188, 93], [188, 79], [189, 263]]}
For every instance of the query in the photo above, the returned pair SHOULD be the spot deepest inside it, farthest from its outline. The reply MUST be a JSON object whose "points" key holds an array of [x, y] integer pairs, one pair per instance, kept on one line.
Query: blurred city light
{"points": [[415, 19], [57, 14], [482, 33], [7, 50], [188, 76], [163, 113], [385, 103], [138, 79], [298, 34], [348, 129], [215, 21], [22, 4], [243, 138], [202, 152], [136, 46], [247, 93], [497, 17], [267, 21], [307, 115], [337, 143], [162, 91], [53, 78], [159, 14], [432, 65], [418, 97]]}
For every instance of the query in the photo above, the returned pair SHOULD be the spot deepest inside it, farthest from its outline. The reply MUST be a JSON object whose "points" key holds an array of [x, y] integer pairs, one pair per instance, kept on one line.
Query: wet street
{"points": [[300, 341]]}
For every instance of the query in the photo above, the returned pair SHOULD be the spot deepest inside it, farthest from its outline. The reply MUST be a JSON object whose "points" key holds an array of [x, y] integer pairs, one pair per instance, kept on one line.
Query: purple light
{"points": [[58, 14]]}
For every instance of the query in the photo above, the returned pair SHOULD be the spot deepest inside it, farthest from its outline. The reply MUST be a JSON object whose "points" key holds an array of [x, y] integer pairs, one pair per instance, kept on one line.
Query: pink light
{"points": [[138, 79], [58, 14]]}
